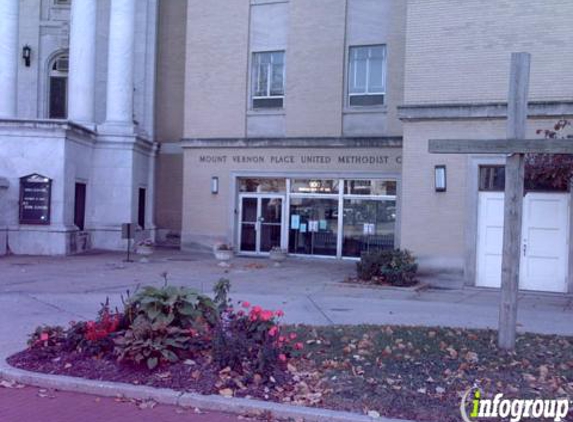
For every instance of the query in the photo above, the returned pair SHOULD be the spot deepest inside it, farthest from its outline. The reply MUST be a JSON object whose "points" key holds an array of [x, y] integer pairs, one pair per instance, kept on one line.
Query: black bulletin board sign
{"points": [[35, 199]]}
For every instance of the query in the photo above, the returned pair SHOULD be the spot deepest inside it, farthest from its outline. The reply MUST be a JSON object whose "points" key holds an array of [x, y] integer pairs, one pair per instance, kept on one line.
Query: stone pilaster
{"points": [[119, 110], [9, 17], [82, 62]]}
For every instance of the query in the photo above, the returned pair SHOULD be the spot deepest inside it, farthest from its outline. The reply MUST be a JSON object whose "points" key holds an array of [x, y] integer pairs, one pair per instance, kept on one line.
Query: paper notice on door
{"points": [[313, 226], [322, 225], [295, 222], [368, 229], [303, 228]]}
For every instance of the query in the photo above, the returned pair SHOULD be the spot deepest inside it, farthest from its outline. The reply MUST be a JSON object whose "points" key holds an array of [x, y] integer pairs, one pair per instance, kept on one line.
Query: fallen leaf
{"points": [[226, 392], [373, 414]]}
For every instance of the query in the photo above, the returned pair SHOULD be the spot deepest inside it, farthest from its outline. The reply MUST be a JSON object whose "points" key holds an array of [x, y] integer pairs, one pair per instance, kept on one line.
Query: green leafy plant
{"points": [[151, 343], [393, 266], [221, 290], [179, 307]]}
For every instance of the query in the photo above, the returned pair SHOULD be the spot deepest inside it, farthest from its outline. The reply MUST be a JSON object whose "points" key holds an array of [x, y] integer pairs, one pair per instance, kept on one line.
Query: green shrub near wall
{"points": [[392, 266]]}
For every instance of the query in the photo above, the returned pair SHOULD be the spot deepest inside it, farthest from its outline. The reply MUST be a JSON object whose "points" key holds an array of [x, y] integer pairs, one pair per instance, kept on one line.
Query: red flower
{"points": [[240, 313], [279, 313], [273, 331], [298, 346], [267, 315], [282, 357], [282, 339], [257, 310], [246, 305]]}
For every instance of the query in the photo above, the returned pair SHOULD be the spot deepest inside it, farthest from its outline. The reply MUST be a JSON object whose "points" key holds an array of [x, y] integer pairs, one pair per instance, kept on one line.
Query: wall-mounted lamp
{"points": [[214, 185], [27, 54], [440, 178]]}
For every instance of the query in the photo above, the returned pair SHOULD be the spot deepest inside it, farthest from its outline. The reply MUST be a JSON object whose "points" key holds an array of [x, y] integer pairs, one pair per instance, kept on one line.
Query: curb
{"points": [[177, 398]]}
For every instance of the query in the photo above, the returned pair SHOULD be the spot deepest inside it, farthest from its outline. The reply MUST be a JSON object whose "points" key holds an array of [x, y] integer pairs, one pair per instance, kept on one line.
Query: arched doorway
{"points": [[58, 87]]}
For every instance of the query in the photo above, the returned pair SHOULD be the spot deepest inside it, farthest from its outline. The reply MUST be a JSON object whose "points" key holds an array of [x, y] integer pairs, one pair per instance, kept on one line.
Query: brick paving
{"points": [[38, 405]]}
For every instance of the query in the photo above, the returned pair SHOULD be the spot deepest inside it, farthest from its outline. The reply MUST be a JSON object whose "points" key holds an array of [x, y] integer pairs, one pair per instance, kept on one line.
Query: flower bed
{"points": [[415, 373]]}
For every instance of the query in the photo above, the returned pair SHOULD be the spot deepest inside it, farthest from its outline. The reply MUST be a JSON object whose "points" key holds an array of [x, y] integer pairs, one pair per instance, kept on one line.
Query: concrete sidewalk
{"points": [[47, 290]]}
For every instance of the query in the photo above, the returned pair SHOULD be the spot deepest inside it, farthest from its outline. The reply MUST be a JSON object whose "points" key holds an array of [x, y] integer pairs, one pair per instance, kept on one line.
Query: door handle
{"points": [[524, 248]]}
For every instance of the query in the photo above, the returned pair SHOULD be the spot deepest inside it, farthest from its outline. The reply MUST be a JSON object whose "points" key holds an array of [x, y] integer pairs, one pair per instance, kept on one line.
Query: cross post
{"points": [[513, 203]]}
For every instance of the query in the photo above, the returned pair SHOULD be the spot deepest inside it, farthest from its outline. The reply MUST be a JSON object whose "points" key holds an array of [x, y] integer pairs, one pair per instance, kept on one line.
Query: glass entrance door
{"points": [[261, 223]]}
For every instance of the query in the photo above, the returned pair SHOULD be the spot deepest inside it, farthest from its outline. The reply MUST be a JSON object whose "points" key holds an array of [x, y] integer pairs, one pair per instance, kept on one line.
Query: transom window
{"points": [[268, 79], [367, 75]]}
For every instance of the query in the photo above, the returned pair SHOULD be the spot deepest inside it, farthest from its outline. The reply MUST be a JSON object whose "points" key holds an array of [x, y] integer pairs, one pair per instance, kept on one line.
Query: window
{"points": [[367, 75], [58, 88], [268, 79], [80, 206], [62, 2]]}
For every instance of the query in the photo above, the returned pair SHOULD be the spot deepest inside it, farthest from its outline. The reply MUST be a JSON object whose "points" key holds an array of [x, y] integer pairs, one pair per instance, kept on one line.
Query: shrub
{"points": [[151, 343], [393, 266], [250, 341], [47, 336]]}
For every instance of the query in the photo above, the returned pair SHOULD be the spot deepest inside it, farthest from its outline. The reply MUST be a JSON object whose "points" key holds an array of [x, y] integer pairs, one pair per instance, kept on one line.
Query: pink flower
{"points": [[267, 315], [282, 339], [273, 331], [298, 346], [279, 313], [44, 337], [246, 305], [292, 336], [257, 310], [282, 357]]}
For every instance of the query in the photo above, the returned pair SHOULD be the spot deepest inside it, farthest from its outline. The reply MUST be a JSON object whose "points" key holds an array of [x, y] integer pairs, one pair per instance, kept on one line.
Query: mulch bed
{"points": [[380, 282], [413, 373]]}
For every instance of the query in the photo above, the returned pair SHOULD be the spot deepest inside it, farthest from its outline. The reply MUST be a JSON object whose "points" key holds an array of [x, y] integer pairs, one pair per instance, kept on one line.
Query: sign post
{"points": [[128, 233]]}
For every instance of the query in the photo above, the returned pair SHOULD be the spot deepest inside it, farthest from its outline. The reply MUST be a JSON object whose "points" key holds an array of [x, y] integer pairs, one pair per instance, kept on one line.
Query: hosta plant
{"points": [[172, 306], [151, 343]]}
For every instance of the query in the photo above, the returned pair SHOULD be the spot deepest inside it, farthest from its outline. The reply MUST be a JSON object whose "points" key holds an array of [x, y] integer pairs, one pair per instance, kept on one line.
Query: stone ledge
{"points": [[172, 397], [314, 142], [493, 110]]}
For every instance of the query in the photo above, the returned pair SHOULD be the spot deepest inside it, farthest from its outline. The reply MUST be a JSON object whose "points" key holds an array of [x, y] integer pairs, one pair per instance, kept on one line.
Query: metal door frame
{"points": [[259, 197]]}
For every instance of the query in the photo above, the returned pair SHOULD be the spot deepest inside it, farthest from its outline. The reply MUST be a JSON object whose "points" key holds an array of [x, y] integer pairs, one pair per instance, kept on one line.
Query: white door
{"points": [[545, 245], [490, 239], [544, 253]]}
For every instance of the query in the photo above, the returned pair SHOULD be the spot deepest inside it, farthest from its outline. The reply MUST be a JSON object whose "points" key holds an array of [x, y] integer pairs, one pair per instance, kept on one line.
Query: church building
{"points": [[293, 124]]}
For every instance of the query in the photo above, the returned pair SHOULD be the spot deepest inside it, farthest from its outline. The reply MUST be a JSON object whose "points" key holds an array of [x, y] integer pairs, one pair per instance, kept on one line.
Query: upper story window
{"points": [[58, 88], [268, 79], [367, 75], [62, 2]]}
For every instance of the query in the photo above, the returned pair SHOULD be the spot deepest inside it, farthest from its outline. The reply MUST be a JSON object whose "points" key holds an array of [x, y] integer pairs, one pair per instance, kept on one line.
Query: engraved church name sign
{"points": [[301, 160], [35, 199]]}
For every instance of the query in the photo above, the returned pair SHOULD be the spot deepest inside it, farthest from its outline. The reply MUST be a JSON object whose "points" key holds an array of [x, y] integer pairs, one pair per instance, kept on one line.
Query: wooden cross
{"points": [[515, 146]]}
